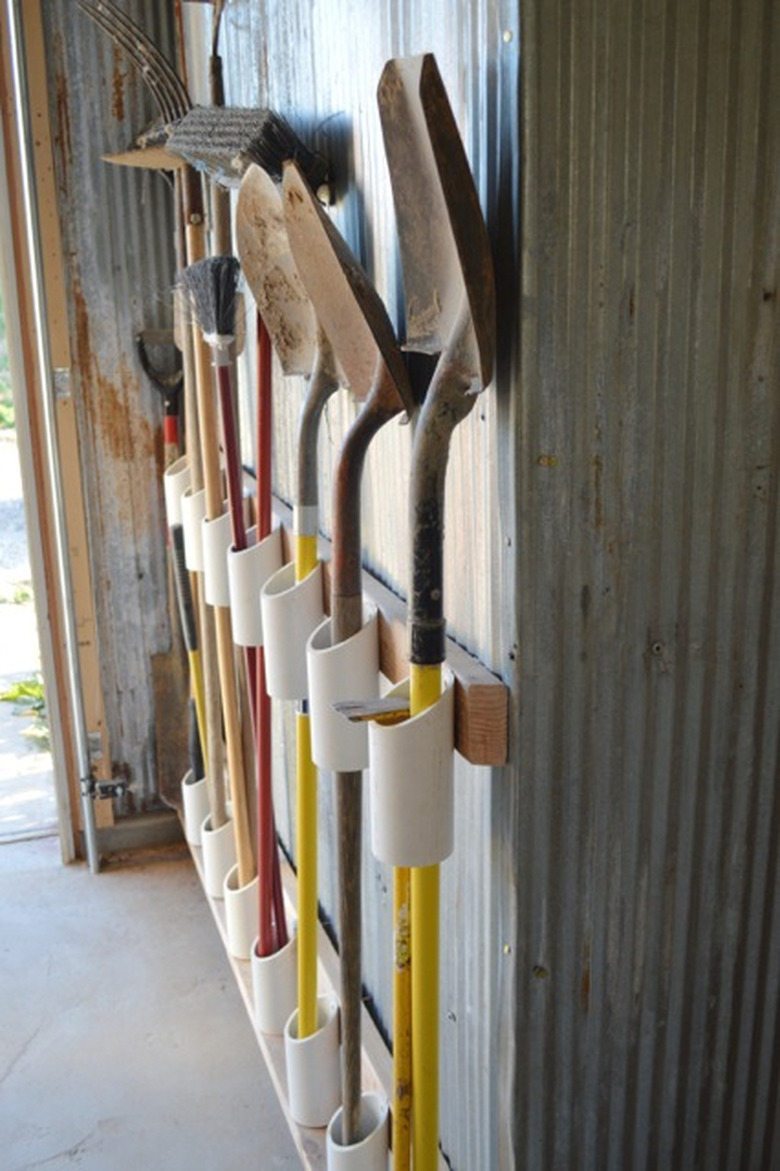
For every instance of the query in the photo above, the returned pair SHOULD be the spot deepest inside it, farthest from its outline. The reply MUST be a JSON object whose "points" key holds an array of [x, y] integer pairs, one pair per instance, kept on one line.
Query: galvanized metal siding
{"points": [[646, 851], [611, 939], [320, 65], [117, 241]]}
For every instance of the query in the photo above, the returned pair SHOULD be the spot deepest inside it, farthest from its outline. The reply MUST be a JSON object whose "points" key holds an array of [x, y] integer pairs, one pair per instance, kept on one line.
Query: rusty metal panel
{"points": [[117, 242]]}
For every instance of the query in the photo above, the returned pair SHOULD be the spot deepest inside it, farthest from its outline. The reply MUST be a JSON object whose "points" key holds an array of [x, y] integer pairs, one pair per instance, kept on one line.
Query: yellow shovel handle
{"points": [[305, 555], [307, 878], [402, 1020], [306, 805], [425, 690]]}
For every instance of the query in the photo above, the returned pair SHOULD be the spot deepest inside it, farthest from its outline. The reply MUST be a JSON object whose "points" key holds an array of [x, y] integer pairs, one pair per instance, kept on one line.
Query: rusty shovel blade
{"points": [[264, 251], [347, 305], [450, 307]]}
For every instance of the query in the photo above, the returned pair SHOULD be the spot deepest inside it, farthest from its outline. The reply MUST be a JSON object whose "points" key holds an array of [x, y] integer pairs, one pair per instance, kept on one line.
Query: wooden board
{"points": [[481, 698]]}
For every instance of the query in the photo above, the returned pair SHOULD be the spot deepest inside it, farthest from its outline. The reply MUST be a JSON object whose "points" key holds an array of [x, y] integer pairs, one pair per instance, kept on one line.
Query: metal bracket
{"points": [[62, 383], [103, 790]]}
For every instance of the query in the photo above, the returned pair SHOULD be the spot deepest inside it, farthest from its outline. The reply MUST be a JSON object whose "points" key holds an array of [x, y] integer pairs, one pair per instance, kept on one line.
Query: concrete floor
{"points": [[124, 1042]]}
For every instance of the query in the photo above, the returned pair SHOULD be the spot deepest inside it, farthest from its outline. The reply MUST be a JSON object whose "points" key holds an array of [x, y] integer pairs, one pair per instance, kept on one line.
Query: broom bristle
{"points": [[223, 141], [277, 144], [211, 287]]}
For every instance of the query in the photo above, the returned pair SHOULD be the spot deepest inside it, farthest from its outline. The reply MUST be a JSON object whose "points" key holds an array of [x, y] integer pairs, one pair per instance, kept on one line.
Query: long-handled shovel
{"points": [[303, 349], [450, 309], [365, 344]]}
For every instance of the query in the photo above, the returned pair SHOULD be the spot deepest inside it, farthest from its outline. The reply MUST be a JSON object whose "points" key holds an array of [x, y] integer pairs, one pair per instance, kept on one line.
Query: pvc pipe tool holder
{"points": [[242, 907], [412, 783], [348, 670], [217, 537], [195, 806], [219, 856], [248, 571], [291, 611], [176, 478], [274, 986], [313, 1066], [369, 1151], [193, 510]]}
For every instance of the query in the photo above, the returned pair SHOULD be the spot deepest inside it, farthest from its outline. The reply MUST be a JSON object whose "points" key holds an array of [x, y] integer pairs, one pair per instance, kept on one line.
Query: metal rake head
{"points": [[164, 83]]}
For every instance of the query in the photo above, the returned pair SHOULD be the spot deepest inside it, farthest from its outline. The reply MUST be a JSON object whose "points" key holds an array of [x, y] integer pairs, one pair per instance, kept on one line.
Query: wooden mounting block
{"points": [[481, 698]]}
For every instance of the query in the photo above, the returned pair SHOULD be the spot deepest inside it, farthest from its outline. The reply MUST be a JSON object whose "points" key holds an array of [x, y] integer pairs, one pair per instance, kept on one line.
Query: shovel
{"points": [[365, 344], [303, 349], [450, 310]]}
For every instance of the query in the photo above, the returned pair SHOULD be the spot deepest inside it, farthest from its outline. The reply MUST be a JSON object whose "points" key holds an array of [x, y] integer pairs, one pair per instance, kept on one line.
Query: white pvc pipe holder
{"points": [[313, 1066], [195, 806], [411, 786], [242, 907], [291, 611], [216, 537], [219, 856], [275, 986], [348, 670], [248, 571], [369, 1152], [193, 510], [176, 478]]}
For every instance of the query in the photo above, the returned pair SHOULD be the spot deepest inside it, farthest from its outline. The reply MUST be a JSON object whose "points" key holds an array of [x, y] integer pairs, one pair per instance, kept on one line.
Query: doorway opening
{"points": [[28, 806]]}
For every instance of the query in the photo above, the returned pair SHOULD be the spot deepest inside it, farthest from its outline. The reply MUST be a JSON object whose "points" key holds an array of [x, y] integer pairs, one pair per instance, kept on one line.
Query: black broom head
{"points": [[211, 287]]}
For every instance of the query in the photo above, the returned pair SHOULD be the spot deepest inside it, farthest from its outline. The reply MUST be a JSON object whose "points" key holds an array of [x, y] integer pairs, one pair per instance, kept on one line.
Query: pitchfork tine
{"points": [[165, 84]]}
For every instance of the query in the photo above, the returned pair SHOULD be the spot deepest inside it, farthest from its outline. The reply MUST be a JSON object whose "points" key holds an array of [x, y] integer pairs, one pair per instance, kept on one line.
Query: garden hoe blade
{"points": [[365, 345], [450, 309]]}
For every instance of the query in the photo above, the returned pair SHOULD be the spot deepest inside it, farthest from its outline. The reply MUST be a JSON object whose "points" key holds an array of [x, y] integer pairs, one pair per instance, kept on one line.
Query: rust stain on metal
{"points": [[127, 436], [62, 94], [118, 89], [83, 347]]}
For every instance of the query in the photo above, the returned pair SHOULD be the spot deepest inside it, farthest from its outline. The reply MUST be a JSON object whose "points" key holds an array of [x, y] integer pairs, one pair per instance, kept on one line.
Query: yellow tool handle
{"points": [[233, 741], [307, 877], [305, 552], [402, 1021], [425, 690], [305, 555], [196, 686]]}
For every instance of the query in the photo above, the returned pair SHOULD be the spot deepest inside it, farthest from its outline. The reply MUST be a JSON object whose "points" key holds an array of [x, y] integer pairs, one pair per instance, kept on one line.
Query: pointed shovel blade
{"points": [[270, 271], [444, 244], [346, 303]]}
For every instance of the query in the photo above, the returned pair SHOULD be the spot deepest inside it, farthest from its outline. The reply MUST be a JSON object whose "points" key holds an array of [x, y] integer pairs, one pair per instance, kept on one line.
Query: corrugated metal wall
{"points": [[647, 809], [119, 266], [320, 65], [611, 934]]}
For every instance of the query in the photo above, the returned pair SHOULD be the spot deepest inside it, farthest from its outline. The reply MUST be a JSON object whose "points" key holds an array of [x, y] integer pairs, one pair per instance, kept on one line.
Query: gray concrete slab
{"points": [[124, 1041]]}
